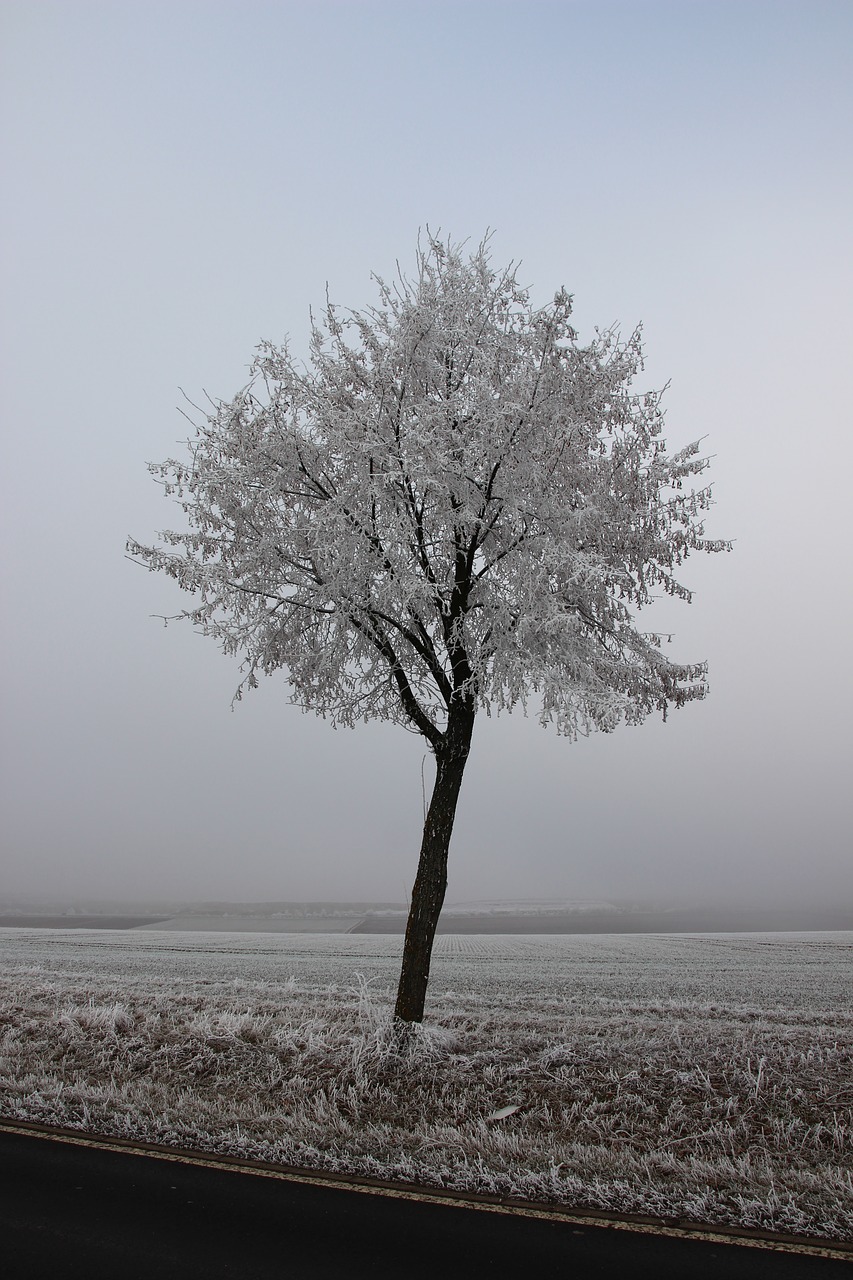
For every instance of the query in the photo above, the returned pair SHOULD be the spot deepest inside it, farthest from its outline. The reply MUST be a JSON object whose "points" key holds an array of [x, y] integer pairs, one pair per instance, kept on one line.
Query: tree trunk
{"points": [[431, 880]]}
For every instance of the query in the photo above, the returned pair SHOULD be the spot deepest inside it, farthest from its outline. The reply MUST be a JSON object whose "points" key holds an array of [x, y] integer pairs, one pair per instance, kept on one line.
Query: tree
{"points": [[454, 506]]}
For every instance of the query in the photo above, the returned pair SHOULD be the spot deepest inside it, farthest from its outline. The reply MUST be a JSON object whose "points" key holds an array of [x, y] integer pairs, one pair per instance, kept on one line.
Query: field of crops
{"points": [[706, 1077]]}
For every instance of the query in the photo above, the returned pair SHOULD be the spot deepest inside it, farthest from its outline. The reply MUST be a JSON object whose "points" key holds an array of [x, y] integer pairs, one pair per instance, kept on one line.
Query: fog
{"points": [[182, 182]]}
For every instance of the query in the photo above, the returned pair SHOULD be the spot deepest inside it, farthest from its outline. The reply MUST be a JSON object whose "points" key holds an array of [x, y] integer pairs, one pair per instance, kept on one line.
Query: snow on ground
{"points": [[707, 1077]]}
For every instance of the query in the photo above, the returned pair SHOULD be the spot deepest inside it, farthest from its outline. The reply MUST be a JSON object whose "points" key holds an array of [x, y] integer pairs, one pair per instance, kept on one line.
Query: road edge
{"points": [[683, 1229]]}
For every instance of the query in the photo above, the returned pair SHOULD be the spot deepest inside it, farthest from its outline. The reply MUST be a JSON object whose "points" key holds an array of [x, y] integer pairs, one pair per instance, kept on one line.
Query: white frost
{"points": [[699, 1077]]}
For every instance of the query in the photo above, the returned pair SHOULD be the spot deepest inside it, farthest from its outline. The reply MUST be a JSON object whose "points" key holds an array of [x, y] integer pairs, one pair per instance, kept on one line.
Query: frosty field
{"points": [[706, 1077]]}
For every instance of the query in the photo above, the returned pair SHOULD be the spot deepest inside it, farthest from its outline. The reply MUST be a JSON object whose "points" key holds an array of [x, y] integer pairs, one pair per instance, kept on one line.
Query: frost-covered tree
{"points": [[454, 506]]}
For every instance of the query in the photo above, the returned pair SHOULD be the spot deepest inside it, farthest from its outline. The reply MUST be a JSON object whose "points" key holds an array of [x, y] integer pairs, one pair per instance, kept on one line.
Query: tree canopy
{"points": [[454, 497]]}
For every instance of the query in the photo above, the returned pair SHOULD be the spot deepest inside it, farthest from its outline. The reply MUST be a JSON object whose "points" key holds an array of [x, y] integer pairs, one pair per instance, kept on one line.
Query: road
{"points": [[72, 1212]]}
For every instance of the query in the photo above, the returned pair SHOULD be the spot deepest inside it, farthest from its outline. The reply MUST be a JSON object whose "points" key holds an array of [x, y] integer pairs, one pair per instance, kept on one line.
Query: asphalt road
{"points": [[69, 1212]]}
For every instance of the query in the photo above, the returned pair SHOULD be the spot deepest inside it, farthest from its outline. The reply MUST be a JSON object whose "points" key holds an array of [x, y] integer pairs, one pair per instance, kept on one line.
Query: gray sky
{"points": [[181, 181]]}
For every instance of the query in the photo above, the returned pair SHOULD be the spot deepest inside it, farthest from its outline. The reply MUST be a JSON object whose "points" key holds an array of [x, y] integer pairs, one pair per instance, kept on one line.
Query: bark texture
{"points": [[431, 880]]}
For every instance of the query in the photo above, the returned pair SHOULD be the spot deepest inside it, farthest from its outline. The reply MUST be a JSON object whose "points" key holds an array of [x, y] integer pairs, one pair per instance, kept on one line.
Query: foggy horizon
{"points": [[184, 183], [153, 902]]}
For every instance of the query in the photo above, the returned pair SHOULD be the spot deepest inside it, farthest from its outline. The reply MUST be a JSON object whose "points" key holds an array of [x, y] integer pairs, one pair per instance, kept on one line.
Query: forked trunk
{"points": [[431, 880]]}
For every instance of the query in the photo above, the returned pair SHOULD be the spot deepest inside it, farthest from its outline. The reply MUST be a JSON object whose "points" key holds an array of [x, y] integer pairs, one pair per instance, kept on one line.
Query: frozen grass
{"points": [[701, 1077]]}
